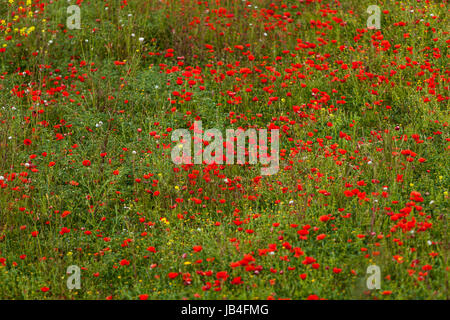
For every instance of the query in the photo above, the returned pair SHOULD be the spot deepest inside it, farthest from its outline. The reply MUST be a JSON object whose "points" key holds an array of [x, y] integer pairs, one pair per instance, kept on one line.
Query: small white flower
{"points": [[2, 178], [27, 165], [134, 152], [432, 201], [141, 39], [370, 162], [429, 242], [132, 34]]}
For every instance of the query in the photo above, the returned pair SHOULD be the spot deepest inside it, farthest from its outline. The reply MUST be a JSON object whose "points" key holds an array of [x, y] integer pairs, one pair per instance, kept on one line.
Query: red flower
{"points": [[27, 142], [337, 270], [222, 275], [173, 275], [427, 267], [124, 262], [86, 163], [45, 289], [416, 196], [197, 248], [143, 297], [65, 214], [321, 236]]}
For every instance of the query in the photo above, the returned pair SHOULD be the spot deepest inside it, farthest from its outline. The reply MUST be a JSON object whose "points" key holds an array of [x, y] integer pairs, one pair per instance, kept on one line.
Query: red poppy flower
{"points": [[222, 275], [124, 262], [86, 163], [337, 270]]}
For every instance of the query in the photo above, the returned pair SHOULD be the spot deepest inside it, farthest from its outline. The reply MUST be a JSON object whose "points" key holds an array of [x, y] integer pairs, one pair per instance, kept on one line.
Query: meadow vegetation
{"points": [[86, 176]]}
